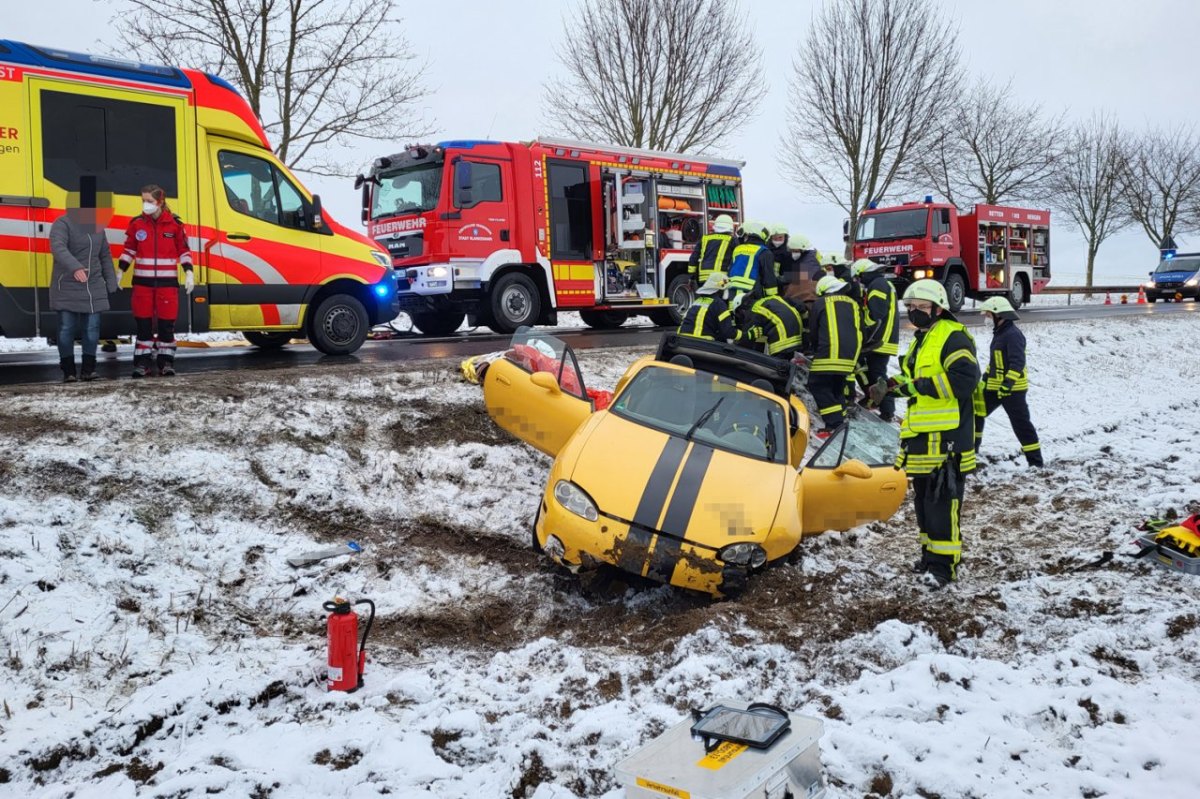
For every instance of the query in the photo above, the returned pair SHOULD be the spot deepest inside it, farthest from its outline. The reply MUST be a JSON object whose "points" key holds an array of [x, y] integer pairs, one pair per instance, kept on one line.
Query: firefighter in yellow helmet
{"points": [[714, 252], [1006, 382], [835, 338], [777, 243], [776, 321], [753, 267], [940, 377], [881, 326], [710, 316]]}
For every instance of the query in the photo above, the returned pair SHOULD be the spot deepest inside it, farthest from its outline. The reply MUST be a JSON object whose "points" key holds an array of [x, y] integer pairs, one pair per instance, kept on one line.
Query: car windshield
{"points": [[701, 407], [893, 225], [412, 189], [1178, 265]]}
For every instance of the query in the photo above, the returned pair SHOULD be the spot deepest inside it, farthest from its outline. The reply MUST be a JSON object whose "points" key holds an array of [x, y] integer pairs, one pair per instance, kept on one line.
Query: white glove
{"points": [[189, 282], [120, 273]]}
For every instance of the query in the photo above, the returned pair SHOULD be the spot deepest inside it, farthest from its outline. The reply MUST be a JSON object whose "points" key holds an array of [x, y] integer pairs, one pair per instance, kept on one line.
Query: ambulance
{"points": [[268, 262]]}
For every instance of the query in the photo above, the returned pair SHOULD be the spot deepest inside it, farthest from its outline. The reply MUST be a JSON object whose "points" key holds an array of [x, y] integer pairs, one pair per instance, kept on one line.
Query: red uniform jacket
{"points": [[155, 247]]}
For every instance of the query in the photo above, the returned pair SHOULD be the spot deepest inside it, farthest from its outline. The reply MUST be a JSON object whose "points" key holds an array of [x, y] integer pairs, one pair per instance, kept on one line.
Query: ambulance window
{"points": [[570, 211], [126, 144], [256, 187], [484, 184]]}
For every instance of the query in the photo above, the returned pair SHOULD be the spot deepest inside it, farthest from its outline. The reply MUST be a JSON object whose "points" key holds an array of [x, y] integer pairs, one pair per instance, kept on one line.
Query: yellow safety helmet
{"points": [[862, 266], [753, 227], [799, 243], [830, 258], [929, 291], [778, 229], [999, 306], [723, 224], [829, 285]]}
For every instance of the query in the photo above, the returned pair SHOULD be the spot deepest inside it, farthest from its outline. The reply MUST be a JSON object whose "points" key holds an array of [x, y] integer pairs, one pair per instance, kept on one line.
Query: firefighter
{"points": [[796, 276], [156, 244], [778, 246], [881, 328], [753, 267], [1006, 382], [940, 377], [710, 316], [777, 320], [835, 338], [714, 252]]}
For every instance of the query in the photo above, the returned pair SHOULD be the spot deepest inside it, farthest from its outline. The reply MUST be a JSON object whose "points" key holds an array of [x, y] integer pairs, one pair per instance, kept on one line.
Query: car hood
{"points": [[708, 496]]}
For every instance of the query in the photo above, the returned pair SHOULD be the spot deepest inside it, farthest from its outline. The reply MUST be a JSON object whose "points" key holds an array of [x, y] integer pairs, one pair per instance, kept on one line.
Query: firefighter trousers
{"points": [[877, 367], [937, 522], [828, 390], [1017, 408]]}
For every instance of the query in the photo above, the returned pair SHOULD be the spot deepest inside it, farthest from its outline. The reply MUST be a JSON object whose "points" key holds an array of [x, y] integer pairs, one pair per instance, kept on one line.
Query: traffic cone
{"points": [[1107, 298], [1141, 296]]}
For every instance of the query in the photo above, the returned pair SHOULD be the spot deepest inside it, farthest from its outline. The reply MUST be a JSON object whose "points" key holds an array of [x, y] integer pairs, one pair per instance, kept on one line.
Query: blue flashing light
{"points": [[928, 199], [464, 144], [381, 290], [1168, 254], [871, 206]]}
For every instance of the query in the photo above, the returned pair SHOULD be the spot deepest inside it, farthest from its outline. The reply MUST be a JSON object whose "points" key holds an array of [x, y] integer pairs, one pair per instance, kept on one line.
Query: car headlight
{"points": [[920, 274], [381, 258], [743, 554], [437, 272], [1193, 281], [1151, 283], [576, 500]]}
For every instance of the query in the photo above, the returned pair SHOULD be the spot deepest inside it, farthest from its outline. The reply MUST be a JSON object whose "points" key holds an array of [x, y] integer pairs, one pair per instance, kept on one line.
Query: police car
{"points": [[1178, 275]]}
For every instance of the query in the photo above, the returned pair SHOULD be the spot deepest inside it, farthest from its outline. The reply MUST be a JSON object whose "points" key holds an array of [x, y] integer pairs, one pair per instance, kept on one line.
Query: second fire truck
{"points": [[507, 234]]}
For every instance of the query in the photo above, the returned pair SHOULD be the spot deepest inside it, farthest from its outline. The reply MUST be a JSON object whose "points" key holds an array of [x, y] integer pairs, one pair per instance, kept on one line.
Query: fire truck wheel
{"points": [[603, 320], [1019, 294], [339, 326], [432, 323], [269, 341], [679, 292], [513, 302], [956, 291]]}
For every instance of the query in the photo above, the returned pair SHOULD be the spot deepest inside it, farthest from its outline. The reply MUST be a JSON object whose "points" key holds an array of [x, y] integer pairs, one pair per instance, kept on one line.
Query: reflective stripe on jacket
{"points": [[155, 246], [835, 330], [1007, 362], [781, 323], [709, 318], [713, 254], [881, 310], [753, 268]]}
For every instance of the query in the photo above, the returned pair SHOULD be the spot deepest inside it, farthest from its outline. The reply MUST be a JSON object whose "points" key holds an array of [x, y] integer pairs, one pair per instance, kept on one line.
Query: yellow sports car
{"points": [[693, 474]]}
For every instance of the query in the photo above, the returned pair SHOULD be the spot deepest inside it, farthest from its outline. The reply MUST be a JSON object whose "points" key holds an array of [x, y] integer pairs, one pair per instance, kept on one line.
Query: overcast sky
{"points": [[487, 61]]}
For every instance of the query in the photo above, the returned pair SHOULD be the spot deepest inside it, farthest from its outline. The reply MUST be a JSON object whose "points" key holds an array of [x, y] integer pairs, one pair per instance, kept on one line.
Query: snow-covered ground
{"points": [[155, 642]]}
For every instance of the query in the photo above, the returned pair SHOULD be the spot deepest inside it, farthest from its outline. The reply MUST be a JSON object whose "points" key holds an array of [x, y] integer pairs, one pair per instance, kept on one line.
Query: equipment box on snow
{"points": [[1167, 557], [676, 765]]}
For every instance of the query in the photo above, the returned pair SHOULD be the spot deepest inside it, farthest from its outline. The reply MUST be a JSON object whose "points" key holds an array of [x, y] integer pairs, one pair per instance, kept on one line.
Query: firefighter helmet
{"points": [[999, 306], [716, 282], [723, 224], [778, 230], [753, 227], [929, 291], [799, 243], [830, 259], [862, 266], [829, 285]]}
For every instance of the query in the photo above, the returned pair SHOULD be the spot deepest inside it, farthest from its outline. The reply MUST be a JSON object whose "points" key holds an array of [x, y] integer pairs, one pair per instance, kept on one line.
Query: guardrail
{"points": [[1119, 294]]}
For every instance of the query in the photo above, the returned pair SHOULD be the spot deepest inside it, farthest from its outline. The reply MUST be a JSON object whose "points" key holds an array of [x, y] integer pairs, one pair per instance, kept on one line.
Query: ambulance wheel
{"points": [[956, 291], [432, 323], [339, 326], [603, 320], [513, 302], [269, 341]]}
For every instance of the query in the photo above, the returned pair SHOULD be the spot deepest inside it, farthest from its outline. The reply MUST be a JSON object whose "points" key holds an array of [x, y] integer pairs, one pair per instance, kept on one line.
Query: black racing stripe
{"points": [[636, 546], [679, 514]]}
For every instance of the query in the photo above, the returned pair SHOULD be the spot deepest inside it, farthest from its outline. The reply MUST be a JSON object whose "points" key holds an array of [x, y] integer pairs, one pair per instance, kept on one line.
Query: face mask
{"points": [[149, 208], [776, 242], [922, 319]]}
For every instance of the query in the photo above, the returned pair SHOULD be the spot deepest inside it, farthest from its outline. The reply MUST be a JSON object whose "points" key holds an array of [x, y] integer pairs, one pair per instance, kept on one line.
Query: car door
{"points": [[851, 480], [536, 392]]}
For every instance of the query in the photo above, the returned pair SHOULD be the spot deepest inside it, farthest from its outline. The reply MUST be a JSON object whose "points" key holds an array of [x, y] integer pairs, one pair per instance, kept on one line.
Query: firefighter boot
{"points": [[68, 369], [1034, 459], [88, 371]]}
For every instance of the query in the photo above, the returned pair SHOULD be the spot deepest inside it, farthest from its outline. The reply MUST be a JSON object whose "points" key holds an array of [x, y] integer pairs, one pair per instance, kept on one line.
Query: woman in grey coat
{"points": [[80, 283]]}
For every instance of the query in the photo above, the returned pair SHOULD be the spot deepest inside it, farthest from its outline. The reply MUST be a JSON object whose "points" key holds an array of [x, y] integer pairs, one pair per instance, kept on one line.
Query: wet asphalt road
{"points": [[42, 367]]}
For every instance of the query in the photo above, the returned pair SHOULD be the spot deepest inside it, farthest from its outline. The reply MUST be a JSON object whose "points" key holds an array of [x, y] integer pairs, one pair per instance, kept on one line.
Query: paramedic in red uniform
{"points": [[156, 244]]}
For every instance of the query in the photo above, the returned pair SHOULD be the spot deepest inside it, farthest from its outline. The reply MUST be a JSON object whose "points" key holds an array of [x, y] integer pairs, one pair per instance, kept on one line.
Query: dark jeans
{"points": [[85, 325]]}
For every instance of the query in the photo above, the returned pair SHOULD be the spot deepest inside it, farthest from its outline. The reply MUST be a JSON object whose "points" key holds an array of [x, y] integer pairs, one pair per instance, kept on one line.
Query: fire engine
{"points": [[507, 234], [988, 250]]}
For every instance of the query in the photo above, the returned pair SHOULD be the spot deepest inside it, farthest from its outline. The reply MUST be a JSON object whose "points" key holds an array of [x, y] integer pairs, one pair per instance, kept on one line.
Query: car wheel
{"points": [[432, 323], [956, 291], [513, 302], [603, 320], [1151, 298], [269, 341], [339, 326]]}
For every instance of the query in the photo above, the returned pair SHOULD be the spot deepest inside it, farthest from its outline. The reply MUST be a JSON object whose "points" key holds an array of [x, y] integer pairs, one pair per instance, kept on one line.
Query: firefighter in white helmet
{"points": [[753, 267], [1006, 382], [940, 377], [796, 277], [835, 338], [881, 326]]}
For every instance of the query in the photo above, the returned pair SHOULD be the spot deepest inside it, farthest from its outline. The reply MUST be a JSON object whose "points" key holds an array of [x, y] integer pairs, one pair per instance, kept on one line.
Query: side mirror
{"points": [[853, 468], [548, 381], [317, 221], [366, 202]]}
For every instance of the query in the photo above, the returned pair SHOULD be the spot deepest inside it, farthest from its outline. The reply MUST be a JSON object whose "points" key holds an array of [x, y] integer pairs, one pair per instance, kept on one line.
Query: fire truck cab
{"points": [[986, 251], [507, 234]]}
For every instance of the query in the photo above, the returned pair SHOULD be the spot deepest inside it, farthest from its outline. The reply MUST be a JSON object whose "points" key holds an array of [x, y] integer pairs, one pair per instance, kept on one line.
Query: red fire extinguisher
{"points": [[347, 656]]}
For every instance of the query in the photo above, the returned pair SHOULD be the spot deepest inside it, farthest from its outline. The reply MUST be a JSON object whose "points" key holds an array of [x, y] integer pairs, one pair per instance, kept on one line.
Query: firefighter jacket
{"points": [[881, 316], [834, 334], [714, 253], [753, 269], [940, 377], [783, 259], [156, 247], [780, 323], [709, 318], [1006, 368]]}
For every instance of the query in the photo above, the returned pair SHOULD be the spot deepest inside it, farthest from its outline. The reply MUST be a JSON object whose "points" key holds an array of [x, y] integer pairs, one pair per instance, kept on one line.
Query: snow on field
{"points": [[155, 643]]}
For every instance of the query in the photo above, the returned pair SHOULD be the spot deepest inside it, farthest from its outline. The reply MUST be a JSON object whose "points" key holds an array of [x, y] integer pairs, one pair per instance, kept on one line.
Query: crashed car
{"points": [[694, 474]]}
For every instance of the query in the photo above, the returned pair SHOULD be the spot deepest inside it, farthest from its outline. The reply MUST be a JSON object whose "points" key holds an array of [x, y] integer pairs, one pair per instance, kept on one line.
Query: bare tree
{"points": [[676, 75], [1160, 184], [870, 84], [991, 149], [1087, 184], [318, 73]]}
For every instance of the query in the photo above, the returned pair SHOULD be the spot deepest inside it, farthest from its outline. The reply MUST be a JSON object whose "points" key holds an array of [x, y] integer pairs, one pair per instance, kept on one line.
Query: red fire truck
{"points": [[988, 250], [507, 234]]}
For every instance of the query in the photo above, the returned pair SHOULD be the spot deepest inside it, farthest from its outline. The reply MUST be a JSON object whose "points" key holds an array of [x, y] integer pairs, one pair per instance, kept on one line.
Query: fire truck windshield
{"points": [[409, 190], [907, 224]]}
